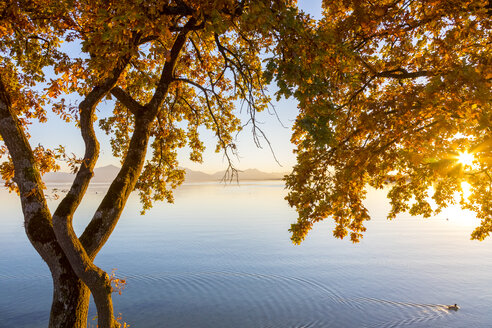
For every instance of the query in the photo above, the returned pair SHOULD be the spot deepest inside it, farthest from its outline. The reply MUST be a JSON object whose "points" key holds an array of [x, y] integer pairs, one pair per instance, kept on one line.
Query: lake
{"points": [[221, 257]]}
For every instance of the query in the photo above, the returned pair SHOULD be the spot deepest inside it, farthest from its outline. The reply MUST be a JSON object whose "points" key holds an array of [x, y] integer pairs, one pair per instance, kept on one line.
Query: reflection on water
{"points": [[221, 257]]}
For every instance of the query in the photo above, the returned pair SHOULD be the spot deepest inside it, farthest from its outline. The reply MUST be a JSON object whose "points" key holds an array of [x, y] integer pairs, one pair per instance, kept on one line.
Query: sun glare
{"points": [[466, 158]]}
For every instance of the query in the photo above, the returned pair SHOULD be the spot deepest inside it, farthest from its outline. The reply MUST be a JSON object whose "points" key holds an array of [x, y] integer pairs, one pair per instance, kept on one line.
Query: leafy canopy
{"points": [[390, 94], [218, 67]]}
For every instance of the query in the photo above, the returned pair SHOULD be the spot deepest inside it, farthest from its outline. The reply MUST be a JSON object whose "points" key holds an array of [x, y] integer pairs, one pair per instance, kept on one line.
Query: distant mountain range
{"points": [[106, 174]]}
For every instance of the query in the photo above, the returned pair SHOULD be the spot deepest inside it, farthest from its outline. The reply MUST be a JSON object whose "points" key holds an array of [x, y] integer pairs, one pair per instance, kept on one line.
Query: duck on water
{"points": [[454, 307]]}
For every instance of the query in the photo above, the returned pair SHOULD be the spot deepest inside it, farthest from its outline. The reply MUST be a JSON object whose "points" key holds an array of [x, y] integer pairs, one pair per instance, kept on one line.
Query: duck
{"points": [[454, 307]]}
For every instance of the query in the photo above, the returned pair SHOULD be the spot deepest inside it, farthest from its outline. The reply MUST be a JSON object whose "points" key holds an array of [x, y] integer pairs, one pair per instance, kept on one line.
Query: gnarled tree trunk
{"points": [[69, 258], [70, 295], [70, 300]]}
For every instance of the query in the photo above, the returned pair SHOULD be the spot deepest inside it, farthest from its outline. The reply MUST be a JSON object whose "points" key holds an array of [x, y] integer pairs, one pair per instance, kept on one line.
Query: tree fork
{"points": [[96, 279]]}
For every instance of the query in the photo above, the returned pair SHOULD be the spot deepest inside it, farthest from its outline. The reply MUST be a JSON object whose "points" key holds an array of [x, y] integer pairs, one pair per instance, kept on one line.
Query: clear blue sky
{"points": [[56, 132]]}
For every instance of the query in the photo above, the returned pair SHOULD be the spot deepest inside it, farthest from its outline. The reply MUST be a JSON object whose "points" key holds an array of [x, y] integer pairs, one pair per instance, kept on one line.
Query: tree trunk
{"points": [[70, 301], [104, 302], [70, 295], [53, 236]]}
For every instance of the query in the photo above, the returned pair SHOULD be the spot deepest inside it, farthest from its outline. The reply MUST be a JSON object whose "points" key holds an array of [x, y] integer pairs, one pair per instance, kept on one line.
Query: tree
{"points": [[164, 62], [28, 43], [391, 94]]}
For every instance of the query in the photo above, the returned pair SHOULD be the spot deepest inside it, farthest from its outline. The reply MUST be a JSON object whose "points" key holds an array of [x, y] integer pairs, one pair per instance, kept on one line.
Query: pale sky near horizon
{"points": [[56, 132]]}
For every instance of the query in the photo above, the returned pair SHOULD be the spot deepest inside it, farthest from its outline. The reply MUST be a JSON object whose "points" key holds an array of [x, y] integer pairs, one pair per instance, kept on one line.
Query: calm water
{"points": [[221, 257]]}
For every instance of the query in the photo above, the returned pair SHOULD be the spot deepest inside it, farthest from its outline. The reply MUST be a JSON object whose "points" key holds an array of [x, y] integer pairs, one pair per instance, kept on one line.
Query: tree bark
{"points": [[70, 296], [70, 300]]}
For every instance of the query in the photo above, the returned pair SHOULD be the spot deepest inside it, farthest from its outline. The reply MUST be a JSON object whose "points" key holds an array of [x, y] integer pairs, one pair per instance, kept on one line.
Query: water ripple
{"points": [[276, 299]]}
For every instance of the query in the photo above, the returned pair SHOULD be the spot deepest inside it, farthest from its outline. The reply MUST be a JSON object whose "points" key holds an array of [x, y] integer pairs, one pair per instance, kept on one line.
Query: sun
{"points": [[465, 158]]}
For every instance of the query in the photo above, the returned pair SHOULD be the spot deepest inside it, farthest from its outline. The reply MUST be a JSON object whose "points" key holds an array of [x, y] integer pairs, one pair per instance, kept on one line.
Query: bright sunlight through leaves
{"points": [[466, 158], [466, 189]]}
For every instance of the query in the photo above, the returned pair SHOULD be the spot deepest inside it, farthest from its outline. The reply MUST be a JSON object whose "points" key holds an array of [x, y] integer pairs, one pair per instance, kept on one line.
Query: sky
{"points": [[276, 127]]}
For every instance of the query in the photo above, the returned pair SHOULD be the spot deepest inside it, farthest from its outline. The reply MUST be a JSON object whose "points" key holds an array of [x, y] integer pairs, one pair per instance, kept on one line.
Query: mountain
{"points": [[106, 174], [101, 175], [58, 177], [197, 176], [252, 174]]}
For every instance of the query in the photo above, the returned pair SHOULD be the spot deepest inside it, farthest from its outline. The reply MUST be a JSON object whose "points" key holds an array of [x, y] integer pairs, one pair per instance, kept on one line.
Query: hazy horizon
{"points": [[106, 174]]}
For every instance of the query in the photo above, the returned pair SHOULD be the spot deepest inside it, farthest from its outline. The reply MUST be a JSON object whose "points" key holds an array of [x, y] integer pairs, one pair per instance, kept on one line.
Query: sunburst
{"points": [[465, 158]]}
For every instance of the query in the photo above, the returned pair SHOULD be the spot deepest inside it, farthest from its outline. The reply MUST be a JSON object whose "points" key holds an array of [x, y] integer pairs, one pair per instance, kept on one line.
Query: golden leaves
{"points": [[391, 85], [382, 87], [117, 284]]}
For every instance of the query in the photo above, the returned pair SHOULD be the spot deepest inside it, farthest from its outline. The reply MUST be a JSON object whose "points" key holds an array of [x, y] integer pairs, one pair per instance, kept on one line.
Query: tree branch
{"points": [[127, 100], [179, 10], [401, 73], [168, 69], [107, 214], [95, 278], [87, 107], [109, 211], [26, 174]]}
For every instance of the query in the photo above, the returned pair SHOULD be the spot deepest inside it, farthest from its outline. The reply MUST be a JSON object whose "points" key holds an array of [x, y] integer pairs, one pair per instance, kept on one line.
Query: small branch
{"points": [[133, 106], [148, 39], [181, 9], [401, 73], [168, 69], [354, 95], [193, 83], [218, 132], [269, 144]]}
